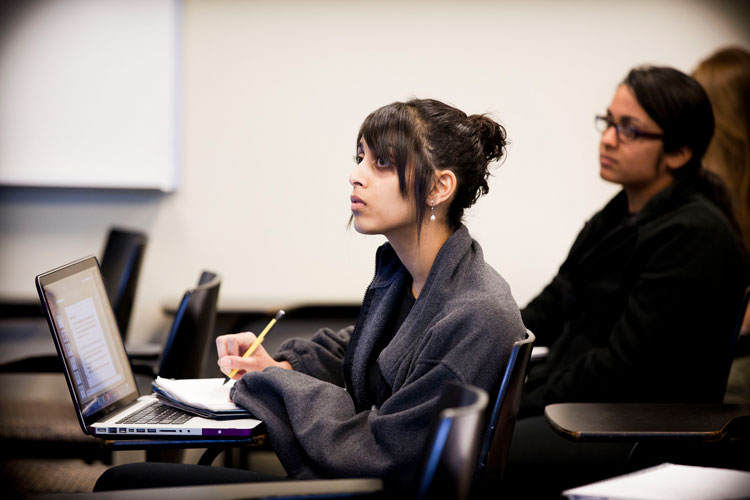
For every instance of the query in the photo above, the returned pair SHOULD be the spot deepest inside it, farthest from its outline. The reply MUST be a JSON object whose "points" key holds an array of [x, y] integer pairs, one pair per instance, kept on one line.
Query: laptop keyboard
{"points": [[157, 414]]}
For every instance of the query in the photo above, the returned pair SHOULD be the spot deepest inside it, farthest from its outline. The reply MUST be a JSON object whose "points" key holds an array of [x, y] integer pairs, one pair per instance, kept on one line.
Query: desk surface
{"points": [[634, 422]]}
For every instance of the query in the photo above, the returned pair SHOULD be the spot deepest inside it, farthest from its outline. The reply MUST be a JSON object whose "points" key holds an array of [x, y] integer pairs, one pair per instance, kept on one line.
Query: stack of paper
{"points": [[205, 397], [669, 482]]}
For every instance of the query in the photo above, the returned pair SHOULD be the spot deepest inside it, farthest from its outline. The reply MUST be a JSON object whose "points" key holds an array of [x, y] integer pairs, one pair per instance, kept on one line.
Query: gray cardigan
{"points": [[318, 416]]}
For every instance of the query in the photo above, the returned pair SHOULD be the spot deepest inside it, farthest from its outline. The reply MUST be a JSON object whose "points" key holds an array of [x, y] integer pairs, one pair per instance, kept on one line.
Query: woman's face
{"points": [[639, 164], [376, 201]]}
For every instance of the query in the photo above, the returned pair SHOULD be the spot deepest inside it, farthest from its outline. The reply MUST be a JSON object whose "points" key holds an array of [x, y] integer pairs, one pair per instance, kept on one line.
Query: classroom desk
{"points": [[639, 422]]}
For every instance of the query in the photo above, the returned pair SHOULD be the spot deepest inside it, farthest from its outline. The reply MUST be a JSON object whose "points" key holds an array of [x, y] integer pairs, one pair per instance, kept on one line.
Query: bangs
{"points": [[388, 133]]}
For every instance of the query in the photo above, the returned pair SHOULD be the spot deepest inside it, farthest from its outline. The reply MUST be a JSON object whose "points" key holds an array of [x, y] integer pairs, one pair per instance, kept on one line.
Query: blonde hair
{"points": [[726, 77]]}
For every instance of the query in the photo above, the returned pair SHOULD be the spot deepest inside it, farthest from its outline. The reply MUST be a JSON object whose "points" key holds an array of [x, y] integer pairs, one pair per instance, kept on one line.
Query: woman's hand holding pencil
{"points": [[240, 353]]}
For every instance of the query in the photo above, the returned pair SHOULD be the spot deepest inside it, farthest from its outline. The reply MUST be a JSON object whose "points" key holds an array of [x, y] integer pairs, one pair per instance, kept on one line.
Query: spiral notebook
{"points": [[205, 397]]}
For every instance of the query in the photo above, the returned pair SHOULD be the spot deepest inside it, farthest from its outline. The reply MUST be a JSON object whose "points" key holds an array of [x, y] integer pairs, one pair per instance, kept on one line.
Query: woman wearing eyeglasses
{"points": [[644, 307]]}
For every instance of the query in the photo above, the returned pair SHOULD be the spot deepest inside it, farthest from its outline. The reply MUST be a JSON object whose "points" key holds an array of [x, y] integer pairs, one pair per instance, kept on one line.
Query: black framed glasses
{"points": [[625, 133]]}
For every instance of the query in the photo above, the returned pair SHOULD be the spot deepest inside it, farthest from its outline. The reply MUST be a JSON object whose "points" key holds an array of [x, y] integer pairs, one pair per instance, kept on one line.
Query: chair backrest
{"points": [[121, 266], [735, 337], [450, 459], [502, 420], [740, 318], [185, 352]]}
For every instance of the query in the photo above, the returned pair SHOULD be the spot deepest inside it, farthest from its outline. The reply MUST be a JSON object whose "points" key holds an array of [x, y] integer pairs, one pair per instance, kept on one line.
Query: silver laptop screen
{"points": [[88, 337]]}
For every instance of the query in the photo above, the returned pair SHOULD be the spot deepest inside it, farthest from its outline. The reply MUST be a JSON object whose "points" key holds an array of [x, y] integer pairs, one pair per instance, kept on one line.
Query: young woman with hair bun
{"points": [[358, 402]]}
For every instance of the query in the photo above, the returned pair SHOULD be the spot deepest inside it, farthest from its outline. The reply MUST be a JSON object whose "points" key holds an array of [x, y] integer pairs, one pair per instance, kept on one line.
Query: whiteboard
{"points": [[89, 94]]}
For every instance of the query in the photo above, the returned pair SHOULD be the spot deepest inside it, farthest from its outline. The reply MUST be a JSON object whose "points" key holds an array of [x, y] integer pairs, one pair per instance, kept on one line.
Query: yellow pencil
{"points": [[257, 342]]}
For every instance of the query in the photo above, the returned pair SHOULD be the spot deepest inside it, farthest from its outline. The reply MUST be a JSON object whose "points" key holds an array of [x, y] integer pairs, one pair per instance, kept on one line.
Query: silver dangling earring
{"points": [[432, 213]]}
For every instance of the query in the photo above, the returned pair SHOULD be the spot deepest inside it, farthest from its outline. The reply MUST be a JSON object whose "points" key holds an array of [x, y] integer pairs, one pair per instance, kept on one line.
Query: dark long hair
{"points": [[422, 136], [681, 107]]}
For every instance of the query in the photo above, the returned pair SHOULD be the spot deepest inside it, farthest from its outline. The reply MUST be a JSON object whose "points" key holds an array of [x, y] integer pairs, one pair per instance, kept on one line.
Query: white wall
{"points": [[274, 92], [88, 93]]}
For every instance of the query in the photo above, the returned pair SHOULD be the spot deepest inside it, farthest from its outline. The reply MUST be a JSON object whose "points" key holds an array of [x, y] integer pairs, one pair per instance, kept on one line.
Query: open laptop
{"points": [[97, 369]]}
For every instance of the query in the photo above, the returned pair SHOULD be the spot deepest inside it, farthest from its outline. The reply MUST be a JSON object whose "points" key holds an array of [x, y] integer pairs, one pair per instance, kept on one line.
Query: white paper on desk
{"points": [[207, 393], [669, 482]]}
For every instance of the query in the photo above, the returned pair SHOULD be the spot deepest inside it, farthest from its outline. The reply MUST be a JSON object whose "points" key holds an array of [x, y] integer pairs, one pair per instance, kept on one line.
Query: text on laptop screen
{"points": [[87, 331]]}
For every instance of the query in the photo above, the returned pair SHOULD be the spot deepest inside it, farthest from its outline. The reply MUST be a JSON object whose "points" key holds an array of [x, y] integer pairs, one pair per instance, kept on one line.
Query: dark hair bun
{"points": [[491, 135]]}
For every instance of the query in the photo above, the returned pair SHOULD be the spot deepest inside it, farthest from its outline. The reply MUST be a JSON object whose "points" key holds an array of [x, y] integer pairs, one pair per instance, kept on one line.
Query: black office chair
{"points": [[192, 332], [121, 266], [502, 420], [737, 389], [450, 460], [185, 352]]}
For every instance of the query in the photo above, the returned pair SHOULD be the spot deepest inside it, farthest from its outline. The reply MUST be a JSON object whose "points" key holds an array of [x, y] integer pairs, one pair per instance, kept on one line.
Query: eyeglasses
{"points": [[625, 133]]}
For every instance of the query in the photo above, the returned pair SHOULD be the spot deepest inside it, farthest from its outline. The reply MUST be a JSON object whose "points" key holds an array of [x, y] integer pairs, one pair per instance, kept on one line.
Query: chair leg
{"points": [[208, 456]]}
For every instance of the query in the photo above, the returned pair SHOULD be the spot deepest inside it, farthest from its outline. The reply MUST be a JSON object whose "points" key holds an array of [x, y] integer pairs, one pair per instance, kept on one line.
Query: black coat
{"points": [[644, 307]]}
